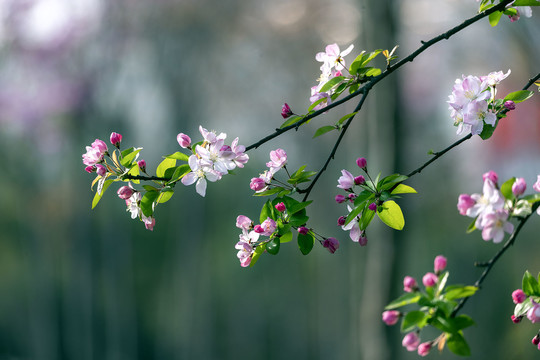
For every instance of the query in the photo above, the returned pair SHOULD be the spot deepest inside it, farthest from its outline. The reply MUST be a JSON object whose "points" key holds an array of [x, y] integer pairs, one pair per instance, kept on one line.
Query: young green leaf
{"points": [[323, 130], [293, 119], [460, 292], [456, 343], [494, 18], [526, 3], [297, 207], [519, 96], [530, 285], [390, 214], [165, 196], [128, 156], [305, 243], [345, 118], [331, 83], [178, 156], [414, 319], [273, 246], [267, 211], [506, 188], [403, 189], [147, 202], [286, 237], [164, 165], [269, 192], [259, 250], [98, 195], [405, 299]]}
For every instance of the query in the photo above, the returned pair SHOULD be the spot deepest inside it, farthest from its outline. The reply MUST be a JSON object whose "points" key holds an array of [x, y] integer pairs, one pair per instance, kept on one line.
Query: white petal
{"points": [[189, 178], [201, 187]]}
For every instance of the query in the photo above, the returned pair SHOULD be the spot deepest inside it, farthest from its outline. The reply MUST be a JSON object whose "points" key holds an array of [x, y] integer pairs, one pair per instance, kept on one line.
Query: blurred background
{"points": [[77, 283]]}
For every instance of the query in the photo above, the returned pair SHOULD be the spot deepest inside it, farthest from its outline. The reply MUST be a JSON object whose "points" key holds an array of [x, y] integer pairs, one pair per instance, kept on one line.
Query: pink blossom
{"points": [[495, 77], [476, 113], [495, 224], [536, 340], [516, 319], [219, 159], [490, 201], [353, 227], [258, 229], [241, 157], [286, 111], [331, 244], [201, 170], [534, 313], [519, 187], [465, 202], [391, 317], [210, 136], [439, 264], [132, 204], [430, 279], [149, 222], [116, 139], [340, 198], [142, 165], [372, 206], [359, 180], [424, 348], [243, 222], [333, 57], [346, 181], [95, 152], [125, 192], [362, 240], [352, 197], [411, 341], [536, 185], [491, 175], [101, 170], [257, 184], [316, 96], [278, 159], [280, 207], [409, 284], [90, 169], [518, 296], [183, 140], [361, 162], [521, 10], [268, 226], [245, 246]]}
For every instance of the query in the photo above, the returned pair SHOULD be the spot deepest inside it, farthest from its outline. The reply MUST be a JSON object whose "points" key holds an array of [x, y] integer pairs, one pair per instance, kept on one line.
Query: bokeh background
{"points": [[77, 283]]}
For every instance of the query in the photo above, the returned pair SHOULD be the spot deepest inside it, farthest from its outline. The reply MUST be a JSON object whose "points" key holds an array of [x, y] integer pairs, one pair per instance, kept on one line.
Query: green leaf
{"points": [[530, 285], [179, 173], [323, 130], [523, 308], [178, 156], [128, 156], [298, 172], [472, 226], [345, 118], [150, 188], [331, 83], [147, 202], [373, 72], [357, 63], [259, 250], [134, 171], [297, 207], [299, 219], [165, 196], [390, 214], [269, 192], [460, 292], [519, 96], [487, 131], [441, 282], [354, 213], [405, 299], [305, 243], [494, 18], [267, 211], [414, 319], [293, 119], [286, 237], [403, 189], [532, 198], [273, 246], [370, 57], [367, 216], [312, 106], [526, 3], [461, 322], [163, 166], [363, 196], [456, 343], [506, 188], [389, 181], [97, 197]]}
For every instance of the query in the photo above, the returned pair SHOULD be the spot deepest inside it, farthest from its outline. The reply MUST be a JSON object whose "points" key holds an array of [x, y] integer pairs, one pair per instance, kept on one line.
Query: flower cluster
{"points": [[333, 63], [472, 102], [527, 301], [436, 302], [495, 206], [278, 160], [212, 159]]}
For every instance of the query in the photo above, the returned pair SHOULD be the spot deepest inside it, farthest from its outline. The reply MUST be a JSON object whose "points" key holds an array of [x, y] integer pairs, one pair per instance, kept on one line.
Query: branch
{"points": [[388, 71]]}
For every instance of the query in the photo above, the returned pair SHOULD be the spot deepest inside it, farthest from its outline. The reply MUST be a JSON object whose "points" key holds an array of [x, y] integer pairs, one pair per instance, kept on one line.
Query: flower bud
{"points": [[125, 192], [286, 111], [465, 202], [258, 229], [341, 221], [90, 169], [183, 140], [352, 197], [519, 186], [257, 184], [331, 244], [280, 207], [409, 284], [536, 340], [101, 170], [361, 162], [363, 239], [430, 279], [439, 264], [536, 185], [372, 207], [303, 230], [359, 180], [518, 296], [424, 348], [411, 341], [509, 105], [516, 319], [116, 139], [391, 317], [491, 175], [340, 198], [142, 165]]}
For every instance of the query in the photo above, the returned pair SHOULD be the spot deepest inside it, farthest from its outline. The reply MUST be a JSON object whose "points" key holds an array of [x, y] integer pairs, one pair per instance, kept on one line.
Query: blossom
{"points": [[90, 169], [333, 57], [340, 198], [132, 204], [491, 175], [115, 139], [346, 181], [495, 224], [476, 114], [278, 159], [359, 180], [125, 192], [495, 77], [430, 279], [391, 317], [372, 206], [142, 165], [200, 171], [95, 152], [257, 184], [509, 105], [303, 230], [411, 341], [518, 296], [534, 313], [245, 246], [490, 201], [183, 140], [465, 202], [268, 226], [149, 222], [210, 136], [331, 244], [353, 227], [286, 111], [316, 96], [341, 221], [424, 348], [409, 284], [220, 159], [521, 10], [243, 222], [439, 264], [519, 186], [241, 157]]}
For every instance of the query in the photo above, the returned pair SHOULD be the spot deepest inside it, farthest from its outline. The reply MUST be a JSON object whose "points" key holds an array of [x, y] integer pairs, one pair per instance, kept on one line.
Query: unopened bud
{"points": [[101, 170], [116, 139], [286, 111], [142, 165], [183, 140], [331, 244], [340, 198], [341, 221], [361, 162], [280, 207], [509, 105], [303, 230]]}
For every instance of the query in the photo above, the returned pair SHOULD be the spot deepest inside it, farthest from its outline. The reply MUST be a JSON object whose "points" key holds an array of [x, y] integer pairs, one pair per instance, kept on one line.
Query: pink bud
{"points": [[465, 202], [125, 192], [534, 313], [409, 284], [258, 229], [352, 197], [391, 317], [341, 221], [142, 165], [536, 340], [101, 170], [439, 264], [509, 105], [280, 207], [424, 348], [331, 244], [90, 169], [257, 184], [359, 180], [411, 341], [361, 162], [303, 230], [340, 198], [516, 319], [518, 296], [430, 279], [286, 111], [183, 140], [519, 186], [372, 207], [149, 222], [491, 175], [536, 185], [363, 239], [116, 139]]}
